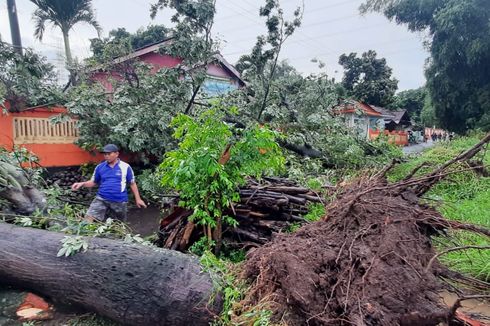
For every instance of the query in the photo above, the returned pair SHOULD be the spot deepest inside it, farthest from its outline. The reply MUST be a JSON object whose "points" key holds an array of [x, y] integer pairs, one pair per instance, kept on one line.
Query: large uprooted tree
{"points": [[370, 261]]}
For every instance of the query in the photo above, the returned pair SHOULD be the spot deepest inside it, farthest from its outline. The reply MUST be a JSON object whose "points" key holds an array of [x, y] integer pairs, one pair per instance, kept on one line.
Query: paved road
{"points": [[416, 148]]}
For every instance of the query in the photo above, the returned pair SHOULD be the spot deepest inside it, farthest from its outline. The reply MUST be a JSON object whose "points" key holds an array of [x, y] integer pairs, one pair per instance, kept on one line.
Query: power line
{"points": [[260, 22], [328, 35], [371, 45]]}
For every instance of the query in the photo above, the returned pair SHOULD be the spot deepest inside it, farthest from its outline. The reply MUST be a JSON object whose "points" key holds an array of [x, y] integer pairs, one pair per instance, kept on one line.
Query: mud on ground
{"points": [[365, 263]]}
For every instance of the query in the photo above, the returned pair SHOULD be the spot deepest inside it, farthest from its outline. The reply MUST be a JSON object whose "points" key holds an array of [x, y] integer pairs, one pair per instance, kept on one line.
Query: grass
{"points": [[463, 197]]}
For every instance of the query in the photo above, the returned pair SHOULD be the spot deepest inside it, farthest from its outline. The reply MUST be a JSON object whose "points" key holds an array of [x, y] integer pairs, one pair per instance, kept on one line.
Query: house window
{"points": [[214, 86]]}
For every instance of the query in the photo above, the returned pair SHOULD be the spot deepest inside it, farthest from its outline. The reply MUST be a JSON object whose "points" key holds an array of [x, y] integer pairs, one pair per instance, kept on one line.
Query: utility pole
{"points": [[14, 26]]}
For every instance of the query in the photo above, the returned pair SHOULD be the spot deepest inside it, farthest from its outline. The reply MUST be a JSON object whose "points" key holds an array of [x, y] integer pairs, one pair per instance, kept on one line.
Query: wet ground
{"points": [[144, 221], [10, 299], [417, 148], [478, 309]]}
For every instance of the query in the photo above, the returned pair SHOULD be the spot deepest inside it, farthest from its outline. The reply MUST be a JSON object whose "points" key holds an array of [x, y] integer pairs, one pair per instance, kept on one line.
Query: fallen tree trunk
{"points": [[131, 284]]}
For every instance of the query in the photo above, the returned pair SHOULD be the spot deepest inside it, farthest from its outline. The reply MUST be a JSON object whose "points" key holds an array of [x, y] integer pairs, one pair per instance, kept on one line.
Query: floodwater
{"points": [[144, 221], [477, 308]]}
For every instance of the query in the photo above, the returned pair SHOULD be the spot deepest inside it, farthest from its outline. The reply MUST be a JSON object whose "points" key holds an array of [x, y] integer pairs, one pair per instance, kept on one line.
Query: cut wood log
{"points": [[265, 207], [131, 284], [187, 234]]}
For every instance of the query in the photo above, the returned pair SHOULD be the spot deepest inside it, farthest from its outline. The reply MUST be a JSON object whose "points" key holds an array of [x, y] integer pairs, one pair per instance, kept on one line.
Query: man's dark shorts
{"points": [[99, 206]]}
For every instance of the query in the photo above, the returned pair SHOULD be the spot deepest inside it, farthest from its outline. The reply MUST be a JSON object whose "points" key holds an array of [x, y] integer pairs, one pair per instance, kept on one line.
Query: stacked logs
{"points": [[265, 208]]}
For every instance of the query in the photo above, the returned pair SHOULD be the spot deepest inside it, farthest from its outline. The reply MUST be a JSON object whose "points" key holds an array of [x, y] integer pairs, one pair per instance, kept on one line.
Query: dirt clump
{"points": [[364, 264], [369, 261]]}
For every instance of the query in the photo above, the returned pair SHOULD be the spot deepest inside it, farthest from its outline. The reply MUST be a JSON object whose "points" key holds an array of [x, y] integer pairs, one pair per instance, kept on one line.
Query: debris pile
{"points": [[265, 207]]}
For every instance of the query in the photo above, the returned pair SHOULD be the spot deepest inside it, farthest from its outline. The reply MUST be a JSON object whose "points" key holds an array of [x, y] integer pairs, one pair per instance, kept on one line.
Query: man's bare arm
{"points": [[86, 184], [139, 202]]}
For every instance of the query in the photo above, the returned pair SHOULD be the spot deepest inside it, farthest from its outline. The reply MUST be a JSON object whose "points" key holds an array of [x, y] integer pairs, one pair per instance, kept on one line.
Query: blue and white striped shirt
{"points": [[112, 181]]}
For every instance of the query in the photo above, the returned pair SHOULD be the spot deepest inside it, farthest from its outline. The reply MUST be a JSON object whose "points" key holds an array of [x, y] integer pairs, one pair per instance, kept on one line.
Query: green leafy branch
{"points": [[72, 245], [212, 161]]}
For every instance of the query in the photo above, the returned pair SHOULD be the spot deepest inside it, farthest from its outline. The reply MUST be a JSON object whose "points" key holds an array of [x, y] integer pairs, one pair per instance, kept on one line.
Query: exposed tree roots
{"points": [[370, 261]]}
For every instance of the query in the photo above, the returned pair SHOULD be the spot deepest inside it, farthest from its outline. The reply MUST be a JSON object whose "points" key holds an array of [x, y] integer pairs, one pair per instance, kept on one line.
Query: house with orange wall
{"points": [[52, 144], [369, 121]]}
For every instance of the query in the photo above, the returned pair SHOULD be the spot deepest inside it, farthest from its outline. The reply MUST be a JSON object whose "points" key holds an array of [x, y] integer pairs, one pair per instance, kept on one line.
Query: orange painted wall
{"points": [[398, 137], [50, 155]]}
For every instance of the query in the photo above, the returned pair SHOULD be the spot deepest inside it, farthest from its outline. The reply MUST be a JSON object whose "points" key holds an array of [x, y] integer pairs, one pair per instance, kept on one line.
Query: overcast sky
{"points": [[329, 29]]}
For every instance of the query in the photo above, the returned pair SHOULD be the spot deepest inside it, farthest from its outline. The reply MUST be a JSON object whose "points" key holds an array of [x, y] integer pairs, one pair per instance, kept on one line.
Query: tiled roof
{"points": [[353, 106]]}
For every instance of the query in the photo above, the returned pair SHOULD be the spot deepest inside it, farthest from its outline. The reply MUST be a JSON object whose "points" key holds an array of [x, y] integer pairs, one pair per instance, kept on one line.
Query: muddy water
{"points": [[144, 221], [479, 309]]}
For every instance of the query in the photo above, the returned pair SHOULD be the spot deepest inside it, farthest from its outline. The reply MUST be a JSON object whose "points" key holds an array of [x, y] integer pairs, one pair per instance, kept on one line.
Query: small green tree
{"points": [[212, 160], [262, 64]]}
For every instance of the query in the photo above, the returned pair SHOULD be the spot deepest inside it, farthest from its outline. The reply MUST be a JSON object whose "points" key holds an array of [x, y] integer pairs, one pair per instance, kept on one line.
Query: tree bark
{"points": [[131, 284], [69, 58]]}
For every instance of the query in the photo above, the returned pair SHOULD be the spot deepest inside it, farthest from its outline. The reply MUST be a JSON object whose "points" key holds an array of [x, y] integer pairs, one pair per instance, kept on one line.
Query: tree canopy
{"points": [[26, 79], [368, 78], [412, 100], [127, 42], [458, 72]]}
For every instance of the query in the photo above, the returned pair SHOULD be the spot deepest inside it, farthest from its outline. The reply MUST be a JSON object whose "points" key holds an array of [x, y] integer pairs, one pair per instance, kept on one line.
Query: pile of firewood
{"points": [[265, 207]]}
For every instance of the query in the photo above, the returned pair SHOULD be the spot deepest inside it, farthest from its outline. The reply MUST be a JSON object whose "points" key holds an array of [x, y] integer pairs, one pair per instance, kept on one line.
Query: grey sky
{"points": [[329, 28]]}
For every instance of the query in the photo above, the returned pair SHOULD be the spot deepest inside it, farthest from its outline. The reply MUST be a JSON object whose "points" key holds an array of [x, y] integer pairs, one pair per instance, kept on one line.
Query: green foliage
{"points": [[13, 175], [428, 115], [194, 169], [191, 34], [126, 42], [261, 66], [72, 245], [87, 169], [136, 238], [458, 77], [316, 211], [201, 246], [302, 108], [27, 79], [137, 117], [465, 197], [224, 281], [150, 185], [233, 289], [368, 78]]}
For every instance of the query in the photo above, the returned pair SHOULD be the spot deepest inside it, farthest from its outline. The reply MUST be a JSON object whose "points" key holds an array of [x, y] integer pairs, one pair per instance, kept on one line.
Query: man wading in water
{"points": [[111, 176]]}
